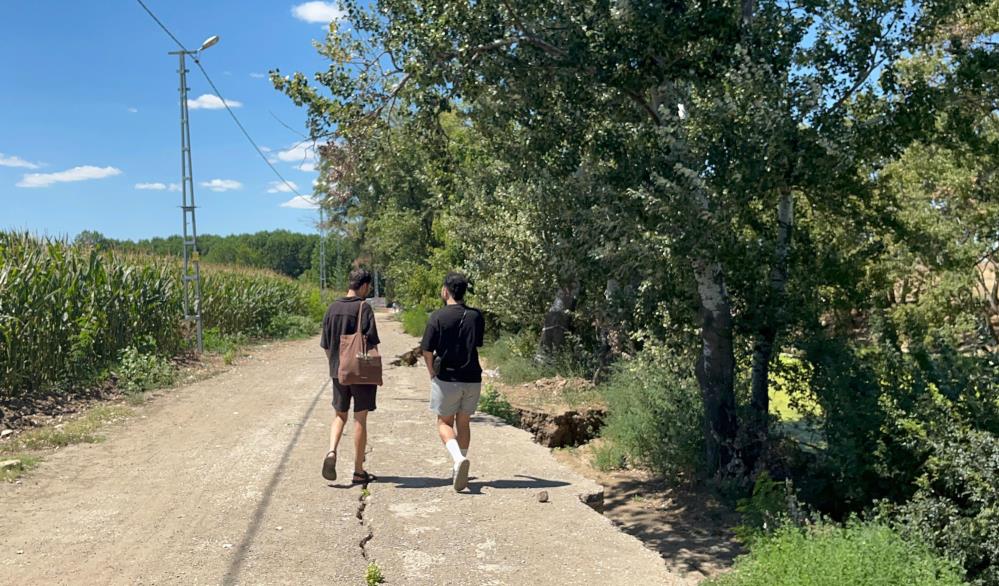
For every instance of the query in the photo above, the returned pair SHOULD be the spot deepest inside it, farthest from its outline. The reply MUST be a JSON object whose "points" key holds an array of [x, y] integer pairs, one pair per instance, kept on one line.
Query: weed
{"points": [[138, 371], [493, 403], [80, 430], [24, 464], [374, 574]]}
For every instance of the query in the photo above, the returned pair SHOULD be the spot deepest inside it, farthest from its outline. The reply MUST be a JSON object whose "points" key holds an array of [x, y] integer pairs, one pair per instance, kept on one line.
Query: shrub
{"points": [[414, 321], [493, 403], [513, 355], [292, 326], [764, 511], [655, 414], [138, 371], [956, 507], [858, 554]]}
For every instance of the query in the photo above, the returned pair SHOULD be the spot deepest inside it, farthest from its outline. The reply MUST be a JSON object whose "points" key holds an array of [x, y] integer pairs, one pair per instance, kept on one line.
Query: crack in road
{"points": [[361, 507]]}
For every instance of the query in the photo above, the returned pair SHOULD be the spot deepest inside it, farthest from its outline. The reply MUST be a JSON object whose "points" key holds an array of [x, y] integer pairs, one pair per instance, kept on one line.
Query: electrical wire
{"points": [[218, 95]]}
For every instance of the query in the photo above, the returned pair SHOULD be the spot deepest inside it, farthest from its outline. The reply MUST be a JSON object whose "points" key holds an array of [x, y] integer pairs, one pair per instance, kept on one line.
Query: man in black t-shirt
{"points": [[450, 349], [341, 320]]}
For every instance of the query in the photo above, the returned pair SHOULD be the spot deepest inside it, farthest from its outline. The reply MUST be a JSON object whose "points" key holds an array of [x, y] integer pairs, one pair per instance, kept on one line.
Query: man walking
{"points": [[342, 319], [449, 346]]}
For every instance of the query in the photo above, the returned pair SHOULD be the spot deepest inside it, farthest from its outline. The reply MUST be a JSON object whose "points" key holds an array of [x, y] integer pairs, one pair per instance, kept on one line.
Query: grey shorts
{"points": [[448, 398]]}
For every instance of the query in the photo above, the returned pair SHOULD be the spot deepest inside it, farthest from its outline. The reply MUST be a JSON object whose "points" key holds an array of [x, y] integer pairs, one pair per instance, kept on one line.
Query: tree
{"points": [[704, 127]]}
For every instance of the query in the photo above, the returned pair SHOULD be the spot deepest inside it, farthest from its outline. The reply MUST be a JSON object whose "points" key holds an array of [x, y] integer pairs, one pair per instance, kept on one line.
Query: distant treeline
{"points": [[290, 253]]}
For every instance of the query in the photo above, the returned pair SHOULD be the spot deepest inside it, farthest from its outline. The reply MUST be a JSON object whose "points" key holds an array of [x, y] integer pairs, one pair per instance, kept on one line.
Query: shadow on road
{"points": [[524, 482], [239, 556]]}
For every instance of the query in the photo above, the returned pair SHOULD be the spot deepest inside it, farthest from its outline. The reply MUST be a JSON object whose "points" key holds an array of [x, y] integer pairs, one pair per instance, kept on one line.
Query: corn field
{"points": [[67, 312]]}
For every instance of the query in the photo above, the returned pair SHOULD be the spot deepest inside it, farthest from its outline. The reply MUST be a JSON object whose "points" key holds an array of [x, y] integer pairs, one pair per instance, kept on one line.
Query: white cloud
{"points": [[133, 110], [210, 102], [318, 12], [282, 187], [265, 149], [82, 173], [15, 161], [303, 156], [256, 75], [158, 186], [222, 184], [300, 202]]}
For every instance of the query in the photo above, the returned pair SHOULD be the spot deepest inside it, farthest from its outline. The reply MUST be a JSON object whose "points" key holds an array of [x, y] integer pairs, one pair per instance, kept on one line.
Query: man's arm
{"points": [[428, 357]]}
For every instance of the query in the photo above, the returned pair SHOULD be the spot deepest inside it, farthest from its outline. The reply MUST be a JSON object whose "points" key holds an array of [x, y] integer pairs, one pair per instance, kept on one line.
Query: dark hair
{"points": [[358, 278], [456, 284]]}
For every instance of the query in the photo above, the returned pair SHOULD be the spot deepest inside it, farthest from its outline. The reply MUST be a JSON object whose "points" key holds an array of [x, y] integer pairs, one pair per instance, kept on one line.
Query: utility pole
{"points": [[192, 259]]}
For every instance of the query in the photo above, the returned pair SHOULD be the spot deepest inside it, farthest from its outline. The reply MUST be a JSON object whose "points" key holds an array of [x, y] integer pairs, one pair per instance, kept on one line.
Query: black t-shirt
{"points": [[341, 320], [455, 340]]}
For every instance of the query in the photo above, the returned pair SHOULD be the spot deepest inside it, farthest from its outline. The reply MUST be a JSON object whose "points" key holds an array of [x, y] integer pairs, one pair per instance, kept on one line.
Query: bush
{"points": [[292, 326], [513, 356], [859, 554], [956, 508], [655, 415], [414, 321], [493, 403], [138, 371]]}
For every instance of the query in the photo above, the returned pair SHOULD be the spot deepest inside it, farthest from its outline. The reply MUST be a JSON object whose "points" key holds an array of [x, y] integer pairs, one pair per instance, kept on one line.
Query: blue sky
{"points": [[89, 115]]}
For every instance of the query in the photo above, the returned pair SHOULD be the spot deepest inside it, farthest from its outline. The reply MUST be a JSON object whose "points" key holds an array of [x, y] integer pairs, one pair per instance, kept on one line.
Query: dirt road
{"points": [[219, 482]]}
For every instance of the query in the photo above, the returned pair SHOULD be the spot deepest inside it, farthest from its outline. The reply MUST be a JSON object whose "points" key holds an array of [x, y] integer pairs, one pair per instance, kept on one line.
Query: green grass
{"points": [[493, 403], [83, 429], [829, 555], [513, 357], [26, 463], [414, 321]]}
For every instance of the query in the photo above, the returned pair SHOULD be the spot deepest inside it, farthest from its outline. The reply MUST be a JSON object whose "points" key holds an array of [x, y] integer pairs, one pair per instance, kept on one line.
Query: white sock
{"points": [[456, 455], [464, 452]]}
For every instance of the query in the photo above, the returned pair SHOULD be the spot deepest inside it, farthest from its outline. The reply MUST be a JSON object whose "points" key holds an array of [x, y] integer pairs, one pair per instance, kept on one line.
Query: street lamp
{"points": [[192, 260], [209, 42]]}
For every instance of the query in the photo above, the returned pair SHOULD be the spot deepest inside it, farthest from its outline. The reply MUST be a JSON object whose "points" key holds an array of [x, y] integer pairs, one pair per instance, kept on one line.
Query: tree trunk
{"points": [[716, 366], [556, 321], [767, 334]]}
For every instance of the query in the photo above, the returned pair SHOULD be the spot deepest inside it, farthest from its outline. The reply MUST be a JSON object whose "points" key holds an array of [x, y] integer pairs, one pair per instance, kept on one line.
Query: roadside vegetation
{"points": [[770, 240], [79, 317]]}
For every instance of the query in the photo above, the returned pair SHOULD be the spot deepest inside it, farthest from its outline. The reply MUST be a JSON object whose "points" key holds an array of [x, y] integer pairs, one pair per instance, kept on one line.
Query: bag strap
{"points": [[360, 328]]}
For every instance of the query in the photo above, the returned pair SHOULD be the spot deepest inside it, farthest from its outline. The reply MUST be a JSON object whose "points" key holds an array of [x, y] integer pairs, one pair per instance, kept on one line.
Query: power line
{"points": [[218, 95], [162, 26]]}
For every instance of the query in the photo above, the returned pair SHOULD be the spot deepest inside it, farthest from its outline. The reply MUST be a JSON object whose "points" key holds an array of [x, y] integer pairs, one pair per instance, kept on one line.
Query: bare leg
{"points": [[360, 439], [336, 430], [445, 428], [463, 425]]}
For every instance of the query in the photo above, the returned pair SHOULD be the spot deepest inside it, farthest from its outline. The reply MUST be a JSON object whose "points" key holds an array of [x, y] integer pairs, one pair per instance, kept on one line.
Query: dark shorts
{"points": [[363, 395]]}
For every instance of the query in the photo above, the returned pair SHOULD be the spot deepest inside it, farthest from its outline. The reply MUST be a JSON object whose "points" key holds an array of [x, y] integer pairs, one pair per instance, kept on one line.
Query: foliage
{"points": [[764, 511], [414, 321], [224, 345], [286, 325], [68, 312], [138, 371], [956, 507], [654, 415], [373, 575], [513, 356], [493, 403], [860, 554]]}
